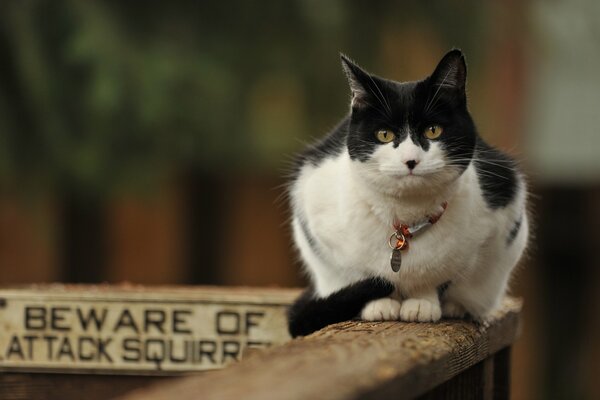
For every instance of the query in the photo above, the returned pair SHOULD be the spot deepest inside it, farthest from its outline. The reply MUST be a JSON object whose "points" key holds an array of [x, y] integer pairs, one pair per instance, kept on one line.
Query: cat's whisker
{"points": [[427, 106], [382, 112], [382, 100], [486, 161]]}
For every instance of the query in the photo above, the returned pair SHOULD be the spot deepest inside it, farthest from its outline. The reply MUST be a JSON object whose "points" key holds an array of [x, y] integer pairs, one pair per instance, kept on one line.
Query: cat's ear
{"points": [[451, 72], [360, 81]]}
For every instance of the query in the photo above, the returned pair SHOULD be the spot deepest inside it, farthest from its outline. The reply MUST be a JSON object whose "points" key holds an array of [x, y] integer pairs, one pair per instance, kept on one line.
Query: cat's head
{"points": [[410, 136]]}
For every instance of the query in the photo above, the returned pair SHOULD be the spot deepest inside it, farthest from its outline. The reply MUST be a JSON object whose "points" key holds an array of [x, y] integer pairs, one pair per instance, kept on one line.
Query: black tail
{"points": [[309, 314]]}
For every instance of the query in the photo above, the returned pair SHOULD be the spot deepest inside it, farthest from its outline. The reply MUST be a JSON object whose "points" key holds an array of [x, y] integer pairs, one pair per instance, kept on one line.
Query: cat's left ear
{"points": [[451, 72], [360, 81]]}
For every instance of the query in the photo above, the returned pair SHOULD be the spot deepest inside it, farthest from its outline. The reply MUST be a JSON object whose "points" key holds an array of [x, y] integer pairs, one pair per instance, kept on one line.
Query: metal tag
{"points": [[396, 260]]}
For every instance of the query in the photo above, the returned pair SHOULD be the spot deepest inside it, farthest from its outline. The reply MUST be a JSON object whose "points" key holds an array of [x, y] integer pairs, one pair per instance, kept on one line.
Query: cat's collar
{"points": [[403, 232], [398, 241]]}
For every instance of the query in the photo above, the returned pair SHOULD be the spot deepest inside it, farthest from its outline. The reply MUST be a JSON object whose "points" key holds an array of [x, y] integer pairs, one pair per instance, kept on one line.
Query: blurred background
{"points": [[149, 142]]}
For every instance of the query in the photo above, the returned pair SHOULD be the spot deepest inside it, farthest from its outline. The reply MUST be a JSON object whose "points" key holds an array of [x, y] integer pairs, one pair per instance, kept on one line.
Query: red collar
{"points": [[402, 232]]}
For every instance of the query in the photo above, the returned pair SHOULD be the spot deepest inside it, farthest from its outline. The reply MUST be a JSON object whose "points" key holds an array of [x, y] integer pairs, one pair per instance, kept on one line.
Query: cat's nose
{"points": [[411, 164]]}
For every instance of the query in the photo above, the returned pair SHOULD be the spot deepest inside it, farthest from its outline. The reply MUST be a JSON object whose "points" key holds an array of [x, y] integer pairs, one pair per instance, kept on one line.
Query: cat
{"points": [[405, 183]]}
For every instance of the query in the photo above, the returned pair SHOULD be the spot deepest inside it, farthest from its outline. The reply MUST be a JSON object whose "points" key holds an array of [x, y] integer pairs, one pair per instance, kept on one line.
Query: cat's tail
{"points": [[310, 313]]}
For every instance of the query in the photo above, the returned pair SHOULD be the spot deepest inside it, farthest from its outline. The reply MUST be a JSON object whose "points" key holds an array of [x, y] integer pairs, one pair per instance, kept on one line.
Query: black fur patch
{"points": [[497, 176], [309, 314], [442, 289], [410, 108], [330, 146], [514, 231]]}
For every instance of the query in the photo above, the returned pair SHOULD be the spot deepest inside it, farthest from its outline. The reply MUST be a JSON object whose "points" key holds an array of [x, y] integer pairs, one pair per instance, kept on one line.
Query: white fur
{"points": [[381, 310], [349, 208]]}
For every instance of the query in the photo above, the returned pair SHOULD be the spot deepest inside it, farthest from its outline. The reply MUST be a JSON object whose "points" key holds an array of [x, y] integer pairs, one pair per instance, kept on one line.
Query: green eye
{"points": [[433, 131], [385, 136]]}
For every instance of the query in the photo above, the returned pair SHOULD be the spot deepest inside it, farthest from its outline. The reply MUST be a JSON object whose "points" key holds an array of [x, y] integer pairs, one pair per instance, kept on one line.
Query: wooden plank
{"points": [[250, 206], [28, 244], [146, 230], [502, 375], [136, 330], [40, 386], [468, 385], [352, 360]]}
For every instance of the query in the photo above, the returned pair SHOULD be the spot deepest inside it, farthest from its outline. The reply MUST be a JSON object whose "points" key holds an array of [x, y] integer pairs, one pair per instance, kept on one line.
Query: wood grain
{"points": [[354, 360], [36, 386]]}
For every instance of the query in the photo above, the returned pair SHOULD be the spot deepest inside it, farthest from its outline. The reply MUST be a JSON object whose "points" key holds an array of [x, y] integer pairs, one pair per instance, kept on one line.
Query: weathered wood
{"points": [[39, 386], [136, 330], [471, 384], [358, 360], [502, 375]]}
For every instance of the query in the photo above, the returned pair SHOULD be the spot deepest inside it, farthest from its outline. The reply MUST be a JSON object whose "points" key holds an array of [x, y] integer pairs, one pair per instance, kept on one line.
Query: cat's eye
{"points": [[433, 131], [385, 136]]}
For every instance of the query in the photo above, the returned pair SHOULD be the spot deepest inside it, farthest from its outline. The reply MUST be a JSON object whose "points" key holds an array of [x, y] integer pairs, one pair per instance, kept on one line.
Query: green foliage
{"points": [[98, 95]]}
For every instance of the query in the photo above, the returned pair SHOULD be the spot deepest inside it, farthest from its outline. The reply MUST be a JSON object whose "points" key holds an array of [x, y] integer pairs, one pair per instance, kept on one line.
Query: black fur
{"points": [[496, 174], [411, 107], [514, 231], [309, 314], [443, 288], [330, 146]]}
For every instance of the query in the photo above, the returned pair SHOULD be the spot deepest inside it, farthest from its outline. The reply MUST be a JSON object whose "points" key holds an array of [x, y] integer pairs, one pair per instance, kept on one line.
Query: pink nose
{"points": [[411, 164]]}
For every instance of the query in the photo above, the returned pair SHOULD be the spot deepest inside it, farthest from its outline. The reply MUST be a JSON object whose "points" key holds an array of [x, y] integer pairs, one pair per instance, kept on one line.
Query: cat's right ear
{"points": [[359, 81], [451, 72]]}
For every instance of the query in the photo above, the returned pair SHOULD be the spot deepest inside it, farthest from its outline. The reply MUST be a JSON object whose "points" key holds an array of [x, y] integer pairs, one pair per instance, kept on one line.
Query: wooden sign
{"points": [[108, 329]]}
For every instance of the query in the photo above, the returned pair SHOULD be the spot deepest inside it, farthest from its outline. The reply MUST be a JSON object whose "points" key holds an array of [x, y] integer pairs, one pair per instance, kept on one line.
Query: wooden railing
{"points": [[97, 342], [368, 360]]}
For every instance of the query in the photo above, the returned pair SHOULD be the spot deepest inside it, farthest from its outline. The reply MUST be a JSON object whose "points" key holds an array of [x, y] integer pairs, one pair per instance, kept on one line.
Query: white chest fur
{"points": [[349, 226]]}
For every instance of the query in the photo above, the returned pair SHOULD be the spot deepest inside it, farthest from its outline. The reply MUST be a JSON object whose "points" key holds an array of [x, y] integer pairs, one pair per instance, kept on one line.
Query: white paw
{"points": [[420, 310], [453, 310], [381, 310]]}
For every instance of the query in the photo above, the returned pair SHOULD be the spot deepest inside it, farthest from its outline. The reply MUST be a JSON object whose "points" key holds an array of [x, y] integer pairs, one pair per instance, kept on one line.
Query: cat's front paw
{"points": [[420, 310], [381, 310], [451, 309]]}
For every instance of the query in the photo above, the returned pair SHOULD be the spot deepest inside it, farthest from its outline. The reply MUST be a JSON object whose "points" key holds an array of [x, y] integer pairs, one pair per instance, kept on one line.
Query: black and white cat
{"points": [[404, 181]]}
